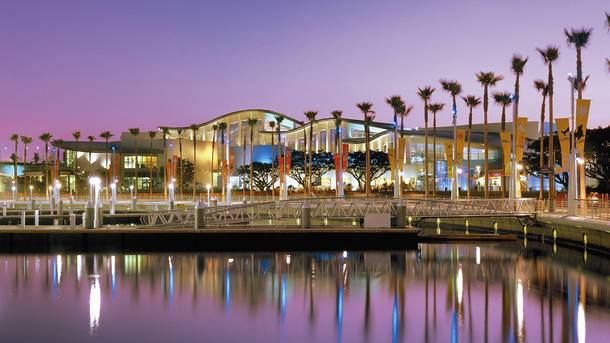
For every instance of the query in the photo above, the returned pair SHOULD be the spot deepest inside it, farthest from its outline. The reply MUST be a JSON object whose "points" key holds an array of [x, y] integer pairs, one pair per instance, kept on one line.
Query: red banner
{"points": [[345, 151]]}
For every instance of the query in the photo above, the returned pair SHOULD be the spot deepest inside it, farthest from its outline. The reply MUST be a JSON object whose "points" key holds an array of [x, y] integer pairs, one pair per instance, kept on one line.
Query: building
{"points": [[203, 148]]}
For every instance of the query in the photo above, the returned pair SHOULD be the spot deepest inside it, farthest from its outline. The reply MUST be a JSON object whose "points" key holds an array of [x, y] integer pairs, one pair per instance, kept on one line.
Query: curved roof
{"points": [[230, 114]]}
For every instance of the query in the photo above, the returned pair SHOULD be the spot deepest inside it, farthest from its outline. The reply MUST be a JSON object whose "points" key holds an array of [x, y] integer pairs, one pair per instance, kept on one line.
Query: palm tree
{"points": [[608, 25], [311, 116], [579, 38], [543, 88], [397, 104], [106, 135], [90, 139], [180, 131], [15, 139], [36, 158], [472, 102], [214, 128], [550, 54], [369, 115], [252, 123], [25, 140], [434, 108], [404, 113], [487, 80], [425, 93], [135, 132], [76, 135], [194, 128], [454, 89], [223, 127], [272, 126], [337, 120], [46, 137], [518, 63], [278, 120], [151, 135], [503, 99]]}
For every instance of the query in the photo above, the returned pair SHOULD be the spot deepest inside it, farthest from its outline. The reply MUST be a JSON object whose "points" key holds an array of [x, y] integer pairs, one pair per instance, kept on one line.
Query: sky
{"points": [[110, 65]]}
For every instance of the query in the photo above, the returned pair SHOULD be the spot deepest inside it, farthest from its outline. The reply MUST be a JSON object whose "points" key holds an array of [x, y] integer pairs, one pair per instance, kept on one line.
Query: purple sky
{"points": [[114, 64]]}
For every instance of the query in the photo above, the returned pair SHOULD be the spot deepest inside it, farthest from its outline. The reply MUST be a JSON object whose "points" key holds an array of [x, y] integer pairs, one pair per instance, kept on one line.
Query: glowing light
{"points": [[519, 166], [79, 266], [582, 327], [31, 187], [344, 254], [95, 181], [287, 259], [459, 284], [580, 161], [519, 310], [59, 265], [478, 255], [231, 260], [208, 186], [95, 304], [460, 171]]}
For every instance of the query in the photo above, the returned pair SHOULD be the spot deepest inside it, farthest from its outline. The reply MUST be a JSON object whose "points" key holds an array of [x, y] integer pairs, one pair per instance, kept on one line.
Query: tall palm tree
{"points": [[46, 137], [164, 132], [472, 102], [180, 169], [337, 120], [503, 99], [543, 89], [26, 141], [425, 93], [15, 139], [550, 54], [280, 151], [135, 132], [151, 135], [518, 63], [454, 89], [369, 115], [272, 126], [90, 139], [252, 123], [397, 104], [223, 128], [311, 116], [579, 38], [106, 135], [434, 108], [194, 129], [76, 135], [487, 80], [214, 128], [608, 25], [404, 112]]}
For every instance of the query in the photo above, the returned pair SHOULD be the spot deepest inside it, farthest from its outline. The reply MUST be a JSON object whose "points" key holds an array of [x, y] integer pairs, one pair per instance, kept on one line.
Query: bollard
{"points": [[171, 205], [36, 217], [496, 228], [72, 220], [467, 224], [23, 219], [401, 214], [199, 215], [410, 221], [99, 215], [306, 216], [89, 215]]}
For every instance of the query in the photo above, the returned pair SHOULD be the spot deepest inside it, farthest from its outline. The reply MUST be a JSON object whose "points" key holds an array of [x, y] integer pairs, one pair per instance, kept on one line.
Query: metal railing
{"points": [[586, 208]]}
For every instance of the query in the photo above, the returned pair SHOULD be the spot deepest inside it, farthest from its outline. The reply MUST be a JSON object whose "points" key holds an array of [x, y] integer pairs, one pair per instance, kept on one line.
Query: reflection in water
{"points": [[489, 293]]}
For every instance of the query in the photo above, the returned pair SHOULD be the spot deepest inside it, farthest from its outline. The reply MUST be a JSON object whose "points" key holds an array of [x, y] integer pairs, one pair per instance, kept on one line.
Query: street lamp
{"points": [[31, 191], [573, 163], [112, 197], [133, 199], [94, 197], [208, 187], [14, 189], [170, 188]]}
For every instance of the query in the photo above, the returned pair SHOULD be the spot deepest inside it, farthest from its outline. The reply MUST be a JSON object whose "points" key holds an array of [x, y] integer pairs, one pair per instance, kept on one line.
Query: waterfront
{"points": [[435, 293]]}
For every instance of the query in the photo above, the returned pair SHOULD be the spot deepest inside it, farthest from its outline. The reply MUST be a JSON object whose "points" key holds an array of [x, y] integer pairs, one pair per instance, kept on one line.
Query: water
{"points": [[438, 293]]}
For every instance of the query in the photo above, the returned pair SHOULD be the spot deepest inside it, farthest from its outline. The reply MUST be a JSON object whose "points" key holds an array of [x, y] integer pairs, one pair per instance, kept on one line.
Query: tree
{"points": [[608, 25], [322, 163], [272, 126], [252, 123], [280, 151], [454, 89], [358, 167], [503, 99], [425, 93], [26, 141], [579, 38], [550, 54], [543, 89], [106, 135], [46, 137], [597, 157], [223, 128], [337, 120], [36, 158], [397, 105], [76, 135], [180, 160], [369, 115], [487, 80], [214, 128], [263, 177], [15, 139], [472, 102], [151, 135], [311, 116], [194, 129], [404, 112], [434, 108], [135, 132], [517, 66]]}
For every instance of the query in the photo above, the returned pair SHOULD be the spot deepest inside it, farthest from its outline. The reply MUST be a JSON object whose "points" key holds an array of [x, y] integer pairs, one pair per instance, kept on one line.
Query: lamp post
{"points": [[112, 197], [14, 189], [133, 199], [208, 187], [94, 198], [171, 199], [573, 168], [31, 191]]}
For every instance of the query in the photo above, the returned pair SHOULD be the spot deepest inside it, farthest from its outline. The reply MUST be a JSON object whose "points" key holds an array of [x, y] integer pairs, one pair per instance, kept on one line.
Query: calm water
{"points": [[438, 293]]}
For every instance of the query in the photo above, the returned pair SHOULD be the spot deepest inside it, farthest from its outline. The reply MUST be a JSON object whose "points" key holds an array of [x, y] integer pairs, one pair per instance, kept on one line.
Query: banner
{"points": [[459, 144], [563, 133], [345, 153], [521, 131], [402, 145], [582, 116], [392, 159], [506, 141], [449, 157]]}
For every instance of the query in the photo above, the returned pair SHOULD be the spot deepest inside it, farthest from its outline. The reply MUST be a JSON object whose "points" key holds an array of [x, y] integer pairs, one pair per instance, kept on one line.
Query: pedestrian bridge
{"points": [[350, 208]]}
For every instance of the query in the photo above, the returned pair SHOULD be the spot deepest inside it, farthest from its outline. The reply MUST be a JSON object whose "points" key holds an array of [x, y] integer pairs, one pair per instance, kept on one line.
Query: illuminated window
{"points": [[129, 162]]}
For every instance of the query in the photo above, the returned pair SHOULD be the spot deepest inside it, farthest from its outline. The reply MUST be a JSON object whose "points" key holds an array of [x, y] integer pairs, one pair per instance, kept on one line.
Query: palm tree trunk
{"points": [[485, 141], [310, 157], [46, 165], [503, 129], [194, 164], [368, 159], [181, 169], [272, 164], [434, 155], [76, 172], [541, 193], [150, 172], [15, 163], [25, 172], [243, 178], [468, 169], [551, 140], [251, 160], [135, 188], [212, 160], [107, 170]]}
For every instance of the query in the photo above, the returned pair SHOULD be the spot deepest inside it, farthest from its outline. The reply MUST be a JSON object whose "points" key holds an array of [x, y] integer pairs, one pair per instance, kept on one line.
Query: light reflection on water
{"points": [[438, 293]]}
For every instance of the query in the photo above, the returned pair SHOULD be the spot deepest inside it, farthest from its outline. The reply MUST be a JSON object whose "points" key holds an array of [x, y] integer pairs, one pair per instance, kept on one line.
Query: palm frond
{"points": [[517, 64]]}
